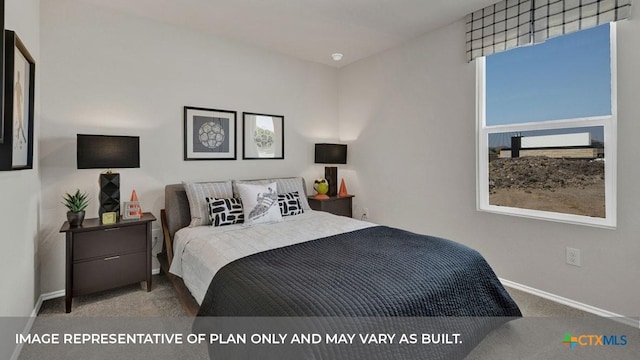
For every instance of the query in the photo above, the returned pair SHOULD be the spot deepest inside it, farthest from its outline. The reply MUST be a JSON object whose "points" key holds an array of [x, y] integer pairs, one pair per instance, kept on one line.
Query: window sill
{"points": [[603, 223]]}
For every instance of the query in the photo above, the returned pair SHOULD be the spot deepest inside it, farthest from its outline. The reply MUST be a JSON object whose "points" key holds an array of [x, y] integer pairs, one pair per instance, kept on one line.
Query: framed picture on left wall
{"points": [[1, 71], [16, 152], [209, 134]]}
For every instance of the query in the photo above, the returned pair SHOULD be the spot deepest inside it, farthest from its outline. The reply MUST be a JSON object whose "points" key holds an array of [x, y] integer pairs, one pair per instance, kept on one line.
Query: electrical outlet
{"points": [[573, 257], [156, 239], [365, 213]]}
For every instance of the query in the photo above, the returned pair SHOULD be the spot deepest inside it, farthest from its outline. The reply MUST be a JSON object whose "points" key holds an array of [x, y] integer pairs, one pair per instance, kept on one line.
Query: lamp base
{"points": [[109, 193], [331, 174]]}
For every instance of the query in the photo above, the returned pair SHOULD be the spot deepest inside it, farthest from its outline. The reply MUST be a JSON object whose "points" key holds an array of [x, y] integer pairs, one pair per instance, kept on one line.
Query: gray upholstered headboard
{"points": [[176, 207]]}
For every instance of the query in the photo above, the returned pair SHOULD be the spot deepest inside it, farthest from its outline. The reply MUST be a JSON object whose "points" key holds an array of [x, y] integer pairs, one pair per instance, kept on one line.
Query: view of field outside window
{"points": [[545, 176], [534, 163]]}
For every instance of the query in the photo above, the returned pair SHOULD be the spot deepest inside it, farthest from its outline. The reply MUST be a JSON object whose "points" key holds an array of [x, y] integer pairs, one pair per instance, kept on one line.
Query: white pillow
{"points": [[259, 203], [235, 183], [197, 193], [285, 186]]}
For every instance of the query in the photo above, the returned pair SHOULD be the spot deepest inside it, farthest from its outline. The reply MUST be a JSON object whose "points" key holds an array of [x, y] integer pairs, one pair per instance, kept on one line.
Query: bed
{"points": [[320, 265]]}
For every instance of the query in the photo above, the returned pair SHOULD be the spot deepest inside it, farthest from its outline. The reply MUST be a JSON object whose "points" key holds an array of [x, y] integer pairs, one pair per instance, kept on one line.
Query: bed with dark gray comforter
{"points": [[370, 273]]}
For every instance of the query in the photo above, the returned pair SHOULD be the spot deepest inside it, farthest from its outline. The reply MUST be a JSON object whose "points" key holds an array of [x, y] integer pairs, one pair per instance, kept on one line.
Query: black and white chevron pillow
{"points": [[225, 211], [290, 204]]}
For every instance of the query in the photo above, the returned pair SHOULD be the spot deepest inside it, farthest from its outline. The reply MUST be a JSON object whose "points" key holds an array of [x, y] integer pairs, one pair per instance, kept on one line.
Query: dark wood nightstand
{"points": [[338, 205], [101, 257]]}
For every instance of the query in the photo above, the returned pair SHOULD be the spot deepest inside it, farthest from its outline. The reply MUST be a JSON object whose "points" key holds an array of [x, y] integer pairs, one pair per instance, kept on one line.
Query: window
{"points": [[547, 129]]}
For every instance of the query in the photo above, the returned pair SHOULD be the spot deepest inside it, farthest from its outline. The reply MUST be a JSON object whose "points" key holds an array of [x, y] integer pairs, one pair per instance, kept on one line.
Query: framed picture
{"points": [[131, 210], [16, 151], [263, 136], [209, 134], [1, 71]]}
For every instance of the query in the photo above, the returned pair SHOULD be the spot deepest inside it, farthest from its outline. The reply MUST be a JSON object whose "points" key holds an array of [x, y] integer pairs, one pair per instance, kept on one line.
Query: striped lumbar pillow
{"points": [[197, 194]]}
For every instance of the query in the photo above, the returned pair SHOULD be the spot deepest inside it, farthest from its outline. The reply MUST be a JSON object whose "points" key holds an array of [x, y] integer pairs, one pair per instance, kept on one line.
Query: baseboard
{"points": [[572, 303], [36, 310], [27, 328], [51, 295]]}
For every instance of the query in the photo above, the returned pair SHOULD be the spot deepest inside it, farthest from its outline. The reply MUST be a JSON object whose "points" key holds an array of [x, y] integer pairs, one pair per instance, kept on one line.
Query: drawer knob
{"points": [[111, 229], [112, 258]]}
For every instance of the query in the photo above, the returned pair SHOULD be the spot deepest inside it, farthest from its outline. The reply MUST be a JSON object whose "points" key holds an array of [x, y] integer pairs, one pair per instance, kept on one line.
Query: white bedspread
{"points": [[201, 251]]}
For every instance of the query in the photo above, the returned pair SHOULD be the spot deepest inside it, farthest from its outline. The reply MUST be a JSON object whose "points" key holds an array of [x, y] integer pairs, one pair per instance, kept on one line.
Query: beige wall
{"points": [[20, 199], [21, 189], [399, 109], [105, 72]]}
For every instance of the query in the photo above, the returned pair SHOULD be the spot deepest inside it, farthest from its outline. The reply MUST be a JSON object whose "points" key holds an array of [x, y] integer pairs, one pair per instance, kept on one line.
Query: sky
{"points": [[563, 78]]}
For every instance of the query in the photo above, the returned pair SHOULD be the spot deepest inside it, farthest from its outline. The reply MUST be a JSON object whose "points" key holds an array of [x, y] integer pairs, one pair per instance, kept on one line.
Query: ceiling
{"points": [[307, 29]]}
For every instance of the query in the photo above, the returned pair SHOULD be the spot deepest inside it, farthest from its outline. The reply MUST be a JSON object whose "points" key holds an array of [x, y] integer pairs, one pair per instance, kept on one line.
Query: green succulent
{"points": [[76, 202]]}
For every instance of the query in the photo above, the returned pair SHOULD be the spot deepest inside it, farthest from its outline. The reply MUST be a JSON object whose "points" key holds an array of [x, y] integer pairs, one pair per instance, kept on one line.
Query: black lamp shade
{"points": [[331, 154], [108, 152]]}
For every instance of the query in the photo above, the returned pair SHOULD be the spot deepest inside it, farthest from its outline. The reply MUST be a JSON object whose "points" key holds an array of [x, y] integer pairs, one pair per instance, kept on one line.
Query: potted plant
{"points": [[76, 204]]}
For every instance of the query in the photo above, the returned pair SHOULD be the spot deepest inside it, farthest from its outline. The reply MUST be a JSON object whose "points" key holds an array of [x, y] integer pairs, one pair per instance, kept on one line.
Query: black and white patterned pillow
{"points": [[225, 211], [290, 204]]}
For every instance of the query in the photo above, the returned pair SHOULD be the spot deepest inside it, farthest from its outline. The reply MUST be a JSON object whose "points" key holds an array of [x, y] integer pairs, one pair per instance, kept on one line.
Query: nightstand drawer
{"points": [[109, 241], [110, 272], [337, 205]]}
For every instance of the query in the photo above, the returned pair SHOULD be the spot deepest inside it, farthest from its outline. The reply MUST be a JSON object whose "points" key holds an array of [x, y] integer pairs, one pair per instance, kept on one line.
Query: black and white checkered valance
{"points": [[502, 26], [512, 23], [558, 17]]}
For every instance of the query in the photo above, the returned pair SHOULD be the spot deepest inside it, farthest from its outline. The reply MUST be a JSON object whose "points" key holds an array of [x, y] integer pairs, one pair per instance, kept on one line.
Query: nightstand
{"points": [[101, 257], [338, 205]]}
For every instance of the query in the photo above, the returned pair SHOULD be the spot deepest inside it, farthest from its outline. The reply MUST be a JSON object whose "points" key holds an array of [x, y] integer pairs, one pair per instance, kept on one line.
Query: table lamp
{"points": [[108, 152], [331, 154]]}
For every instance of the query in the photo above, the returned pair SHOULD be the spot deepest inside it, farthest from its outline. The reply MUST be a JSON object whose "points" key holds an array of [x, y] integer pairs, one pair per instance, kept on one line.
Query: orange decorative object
{"points": [[321, 196], [343, 189], [134, 197]]}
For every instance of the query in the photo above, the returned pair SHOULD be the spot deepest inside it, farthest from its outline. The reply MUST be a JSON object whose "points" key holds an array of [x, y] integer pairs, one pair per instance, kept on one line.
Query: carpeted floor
{"points": [[162, 301], [132, 300], [538, 335], [535, 306], [541, 331]]}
